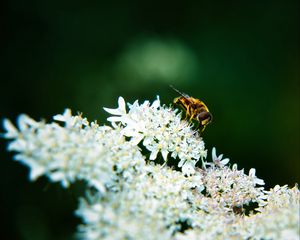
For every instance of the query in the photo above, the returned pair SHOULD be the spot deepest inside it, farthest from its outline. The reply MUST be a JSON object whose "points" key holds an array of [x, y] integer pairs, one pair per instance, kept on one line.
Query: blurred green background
{"points": [[240, 57]]}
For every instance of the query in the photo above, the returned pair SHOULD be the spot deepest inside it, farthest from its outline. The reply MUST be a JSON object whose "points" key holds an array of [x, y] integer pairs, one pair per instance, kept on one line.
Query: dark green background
{"points": [[240, 57]]}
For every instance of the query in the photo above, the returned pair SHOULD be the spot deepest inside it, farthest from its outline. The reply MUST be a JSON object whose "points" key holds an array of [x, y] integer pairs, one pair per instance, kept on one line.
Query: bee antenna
{"points": [[176, 90], [171, 86]]}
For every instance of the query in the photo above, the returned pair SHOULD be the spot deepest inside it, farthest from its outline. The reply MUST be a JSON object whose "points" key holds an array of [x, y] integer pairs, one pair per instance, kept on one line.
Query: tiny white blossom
{"points": [[218, 161], [11, 130], [65, 117], [118, 111], [256, 180], [189, 167]]}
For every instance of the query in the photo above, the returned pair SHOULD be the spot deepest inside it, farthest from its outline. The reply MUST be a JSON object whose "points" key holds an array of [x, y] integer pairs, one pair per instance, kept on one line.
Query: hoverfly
{"points": [[194, 109]]}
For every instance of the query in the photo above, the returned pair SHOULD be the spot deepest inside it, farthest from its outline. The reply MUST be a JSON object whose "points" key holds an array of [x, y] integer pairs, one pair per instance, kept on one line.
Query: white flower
{"points": [[217, 160], [161, 130], [76, 151], [279, 218], [256, 180], [189, 167], [231, 188], [11, 130], [117, 220], [156, 199], [130, 198], [120, 110]]}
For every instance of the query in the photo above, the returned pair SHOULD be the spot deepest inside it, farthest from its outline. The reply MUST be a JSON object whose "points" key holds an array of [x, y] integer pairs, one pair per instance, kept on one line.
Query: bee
{"points": [[194, 109]]}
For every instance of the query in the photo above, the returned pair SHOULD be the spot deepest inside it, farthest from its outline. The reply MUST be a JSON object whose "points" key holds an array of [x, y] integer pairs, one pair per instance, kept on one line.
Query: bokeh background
{"points": [[240, 57]]}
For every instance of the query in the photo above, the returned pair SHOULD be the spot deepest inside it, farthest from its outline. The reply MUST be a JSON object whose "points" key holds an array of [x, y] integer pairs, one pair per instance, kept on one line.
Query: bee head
{"points": [[176, 100]]}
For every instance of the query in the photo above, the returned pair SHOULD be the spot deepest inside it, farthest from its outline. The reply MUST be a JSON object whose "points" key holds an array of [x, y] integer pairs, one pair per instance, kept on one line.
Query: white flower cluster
{"points": [[133, 197], [161, 130], [231, 187], [177, 207], [278, 219], [76, 151], [147, 208]]}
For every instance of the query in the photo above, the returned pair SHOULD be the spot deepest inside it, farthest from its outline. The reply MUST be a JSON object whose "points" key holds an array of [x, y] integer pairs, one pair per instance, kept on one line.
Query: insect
{"points": [[194, 109]]}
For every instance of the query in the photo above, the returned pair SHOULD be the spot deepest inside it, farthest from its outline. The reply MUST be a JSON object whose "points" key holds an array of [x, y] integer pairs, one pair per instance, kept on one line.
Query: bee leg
{"points": [[187, 113], [185, 116], [191, 116], [203, 127], [198, 126]]}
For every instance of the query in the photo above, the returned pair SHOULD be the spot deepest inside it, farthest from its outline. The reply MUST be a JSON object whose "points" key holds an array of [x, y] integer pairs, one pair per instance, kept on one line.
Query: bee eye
{"points": [[210, 117], [204, 117]]}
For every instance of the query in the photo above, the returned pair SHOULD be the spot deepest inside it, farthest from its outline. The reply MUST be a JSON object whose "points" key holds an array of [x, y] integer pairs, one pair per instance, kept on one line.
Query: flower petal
{"points": [[63, 117], [182, 161], [122, 105], [225, 161], [11, 131], [213, 154], [153, 155], [252, 172], [115, 119], [259, 181], [121, 110], [164, 153], [156, 103], [113, 111]]}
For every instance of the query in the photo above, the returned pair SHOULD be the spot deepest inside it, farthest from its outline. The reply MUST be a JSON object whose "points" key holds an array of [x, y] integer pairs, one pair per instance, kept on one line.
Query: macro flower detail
{"points": [[217, 160], [130, 195], [256, 180], [76, 151], [161, 130]]}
